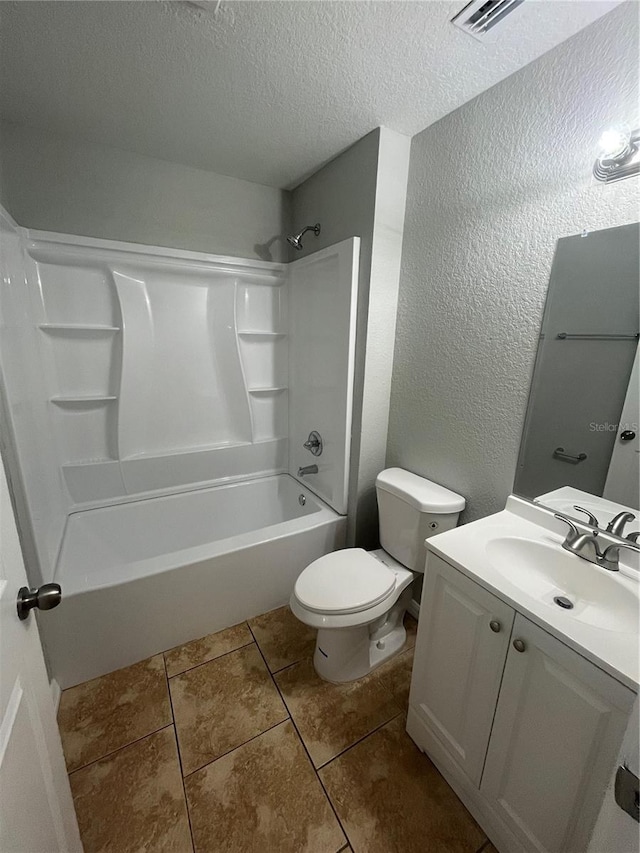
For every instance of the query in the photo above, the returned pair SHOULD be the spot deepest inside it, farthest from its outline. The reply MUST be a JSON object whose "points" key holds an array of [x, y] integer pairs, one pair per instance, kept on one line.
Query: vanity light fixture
{"points": [[619, 155]]}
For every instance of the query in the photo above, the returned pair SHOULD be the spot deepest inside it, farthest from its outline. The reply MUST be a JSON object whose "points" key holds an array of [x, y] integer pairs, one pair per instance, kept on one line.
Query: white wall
{"points": [[492, 187], [57, 183], [35, 481], [362, 193]]}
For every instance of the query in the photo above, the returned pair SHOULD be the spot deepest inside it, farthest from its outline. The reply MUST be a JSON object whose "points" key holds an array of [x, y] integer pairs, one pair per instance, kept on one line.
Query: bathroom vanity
{"points": [[525, 676]]}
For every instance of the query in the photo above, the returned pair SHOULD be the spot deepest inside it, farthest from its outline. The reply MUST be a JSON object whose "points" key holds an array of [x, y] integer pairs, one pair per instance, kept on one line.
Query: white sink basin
{"points": [[600, 598]]}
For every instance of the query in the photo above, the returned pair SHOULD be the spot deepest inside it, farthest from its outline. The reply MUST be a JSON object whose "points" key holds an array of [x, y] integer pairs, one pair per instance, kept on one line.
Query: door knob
{"points": [[519, 645], [495, 626], [45, 597]]}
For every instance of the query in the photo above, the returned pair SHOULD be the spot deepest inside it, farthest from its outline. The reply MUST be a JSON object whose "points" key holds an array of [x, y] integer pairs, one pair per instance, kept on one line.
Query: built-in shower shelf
{"points": [[87, 400], [256, 333], [78, 329], [274, 389]]}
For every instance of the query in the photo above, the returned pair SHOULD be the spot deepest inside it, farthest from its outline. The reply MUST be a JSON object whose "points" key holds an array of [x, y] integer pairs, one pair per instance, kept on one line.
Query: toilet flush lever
{"points": [[314, 443]]}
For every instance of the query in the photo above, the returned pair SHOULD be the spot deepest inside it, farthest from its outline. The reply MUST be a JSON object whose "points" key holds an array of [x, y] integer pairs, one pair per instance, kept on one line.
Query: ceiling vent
{"points": [[479, 17]]}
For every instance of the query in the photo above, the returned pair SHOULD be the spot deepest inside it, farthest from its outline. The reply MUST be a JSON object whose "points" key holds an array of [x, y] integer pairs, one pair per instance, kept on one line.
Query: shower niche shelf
{"points": [[256, 333], [274, 389], [78, 329], [82, 400]]}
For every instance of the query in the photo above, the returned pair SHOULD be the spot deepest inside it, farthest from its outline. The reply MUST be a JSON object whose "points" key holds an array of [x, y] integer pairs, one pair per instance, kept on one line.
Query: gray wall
{"points": [[55, 183], [363, 193], [492, 187]]}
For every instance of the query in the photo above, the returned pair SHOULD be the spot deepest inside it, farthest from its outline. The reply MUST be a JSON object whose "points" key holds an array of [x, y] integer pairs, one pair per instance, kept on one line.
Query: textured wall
{"points": [[56, 183], [492, 187], [362, 193], [262, 91]]}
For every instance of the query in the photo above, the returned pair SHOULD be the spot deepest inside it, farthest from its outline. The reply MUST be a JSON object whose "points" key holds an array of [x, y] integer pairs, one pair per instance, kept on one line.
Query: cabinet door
{"points": [[558, 726], [459, 662]]}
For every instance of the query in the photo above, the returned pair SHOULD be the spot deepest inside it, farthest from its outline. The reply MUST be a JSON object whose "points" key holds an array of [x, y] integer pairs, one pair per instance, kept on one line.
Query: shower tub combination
{"points": [[142, 577], [162, 447]]}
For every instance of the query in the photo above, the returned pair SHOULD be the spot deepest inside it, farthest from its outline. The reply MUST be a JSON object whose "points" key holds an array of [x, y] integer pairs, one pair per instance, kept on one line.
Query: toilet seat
{"points": [[346, 581]]}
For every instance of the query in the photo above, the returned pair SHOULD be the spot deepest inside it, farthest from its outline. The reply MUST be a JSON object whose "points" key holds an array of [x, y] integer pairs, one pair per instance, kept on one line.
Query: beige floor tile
{"points": [[133, 800], [395, 674], [391, 799], [263, 796], [221, 704], [331, 717], [282, 638], [207, 648], [107, 713]]}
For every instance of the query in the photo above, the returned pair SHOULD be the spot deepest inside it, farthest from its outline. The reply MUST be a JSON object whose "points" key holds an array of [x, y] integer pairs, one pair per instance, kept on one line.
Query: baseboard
{"points": [[55, 694], [414, 608]]}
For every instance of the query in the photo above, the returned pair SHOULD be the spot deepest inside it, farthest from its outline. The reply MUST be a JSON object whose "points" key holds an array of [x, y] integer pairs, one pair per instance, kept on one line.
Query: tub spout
{"points": [[307, 469]]}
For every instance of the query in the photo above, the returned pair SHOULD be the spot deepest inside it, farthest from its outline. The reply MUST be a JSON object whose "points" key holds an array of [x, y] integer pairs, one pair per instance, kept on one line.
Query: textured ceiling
{"points": [[266, 91]]}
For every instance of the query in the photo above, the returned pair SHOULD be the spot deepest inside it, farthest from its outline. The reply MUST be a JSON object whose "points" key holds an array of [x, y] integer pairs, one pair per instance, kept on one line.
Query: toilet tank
{"points": [[411, 509]]}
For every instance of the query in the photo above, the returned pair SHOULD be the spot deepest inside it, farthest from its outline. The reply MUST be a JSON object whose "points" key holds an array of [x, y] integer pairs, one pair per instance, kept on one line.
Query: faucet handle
{"points": [[617, 523], [573, 530], [633, 537], [593, 521]]}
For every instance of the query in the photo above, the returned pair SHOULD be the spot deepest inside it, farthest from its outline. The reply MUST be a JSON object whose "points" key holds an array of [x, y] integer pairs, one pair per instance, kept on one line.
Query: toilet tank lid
{"points": [[418, 492]]}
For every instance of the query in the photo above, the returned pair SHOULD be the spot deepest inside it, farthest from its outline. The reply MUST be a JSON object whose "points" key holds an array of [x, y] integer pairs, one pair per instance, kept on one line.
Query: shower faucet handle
{"points": [[314, 443]]}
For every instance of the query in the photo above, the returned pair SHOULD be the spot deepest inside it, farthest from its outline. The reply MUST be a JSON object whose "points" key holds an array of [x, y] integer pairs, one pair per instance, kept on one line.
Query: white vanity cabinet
{"points": [[464, 637], [526, 729]]}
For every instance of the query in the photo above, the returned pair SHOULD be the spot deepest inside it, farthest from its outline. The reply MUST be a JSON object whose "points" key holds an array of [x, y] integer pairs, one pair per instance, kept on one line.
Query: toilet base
{"points": [[346, 654]]}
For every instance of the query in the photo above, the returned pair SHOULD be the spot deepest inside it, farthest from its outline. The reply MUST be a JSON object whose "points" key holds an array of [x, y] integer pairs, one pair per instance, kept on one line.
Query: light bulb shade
{"points": [[619, 155], [614, 144]]}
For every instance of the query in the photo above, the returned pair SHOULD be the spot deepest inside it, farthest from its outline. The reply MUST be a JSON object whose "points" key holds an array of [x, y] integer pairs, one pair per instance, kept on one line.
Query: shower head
{"points": [[295, 240]]}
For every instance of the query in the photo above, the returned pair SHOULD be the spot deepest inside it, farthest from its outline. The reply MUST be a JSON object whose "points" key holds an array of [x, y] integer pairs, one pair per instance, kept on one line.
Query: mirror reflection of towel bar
{"points": [[567, 336], [560, 453]]}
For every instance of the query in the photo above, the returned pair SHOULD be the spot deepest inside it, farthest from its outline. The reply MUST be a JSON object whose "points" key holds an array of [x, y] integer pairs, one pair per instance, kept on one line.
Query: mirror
{"points": [[580, 443]]}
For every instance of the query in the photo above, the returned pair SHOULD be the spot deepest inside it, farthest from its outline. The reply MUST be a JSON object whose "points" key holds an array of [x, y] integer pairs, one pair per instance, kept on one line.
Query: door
{"points": [[462, 645], [36, 809], [556, 735], [623, 477], [323, 292]]}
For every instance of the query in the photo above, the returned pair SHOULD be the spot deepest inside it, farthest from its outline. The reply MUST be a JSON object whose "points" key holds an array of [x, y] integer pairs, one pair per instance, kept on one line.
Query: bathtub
{"points": [[141, 577]]}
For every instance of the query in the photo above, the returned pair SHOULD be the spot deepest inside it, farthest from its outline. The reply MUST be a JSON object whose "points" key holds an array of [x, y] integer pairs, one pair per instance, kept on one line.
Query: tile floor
{"points": [[232, 743]]}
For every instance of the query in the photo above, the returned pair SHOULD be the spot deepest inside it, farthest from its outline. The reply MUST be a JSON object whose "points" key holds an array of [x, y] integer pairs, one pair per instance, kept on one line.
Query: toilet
{"points": [[357, 599]]}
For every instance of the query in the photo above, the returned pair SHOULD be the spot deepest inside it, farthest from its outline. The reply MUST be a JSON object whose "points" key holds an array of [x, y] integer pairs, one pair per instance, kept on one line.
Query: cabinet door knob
{"points": [[495, 626], [519, 645]]}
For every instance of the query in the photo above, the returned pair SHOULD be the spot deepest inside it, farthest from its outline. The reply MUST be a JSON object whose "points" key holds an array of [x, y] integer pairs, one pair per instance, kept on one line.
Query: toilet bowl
{"points": [[357, 599]]}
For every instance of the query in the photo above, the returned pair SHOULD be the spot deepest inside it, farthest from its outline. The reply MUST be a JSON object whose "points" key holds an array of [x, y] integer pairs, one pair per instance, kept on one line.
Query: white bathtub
{"points": [[141, 577]]}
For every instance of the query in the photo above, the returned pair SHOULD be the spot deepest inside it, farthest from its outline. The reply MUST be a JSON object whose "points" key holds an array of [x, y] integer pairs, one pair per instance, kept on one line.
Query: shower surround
{"points": [[143, 385]]}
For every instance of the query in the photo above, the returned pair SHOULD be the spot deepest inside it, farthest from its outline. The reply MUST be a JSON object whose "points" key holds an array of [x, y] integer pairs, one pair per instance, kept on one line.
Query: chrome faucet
{"points": [[586, 545], [617, 524], [307, 469], [583, 545]]}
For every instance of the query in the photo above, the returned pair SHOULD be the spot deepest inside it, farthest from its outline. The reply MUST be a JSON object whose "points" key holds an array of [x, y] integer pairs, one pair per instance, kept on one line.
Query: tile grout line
{"points": [[175, 734], [355, 743], [205, 662], [304, 746], [120, 748], [233, 749]]}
